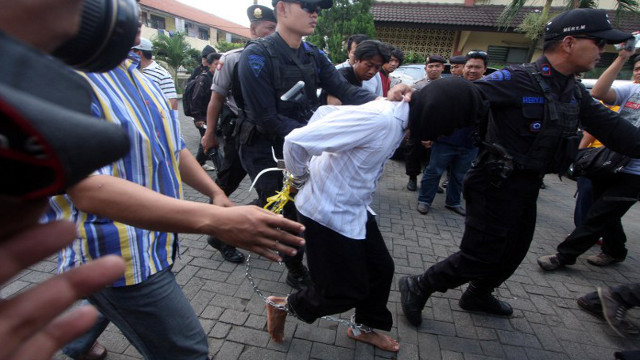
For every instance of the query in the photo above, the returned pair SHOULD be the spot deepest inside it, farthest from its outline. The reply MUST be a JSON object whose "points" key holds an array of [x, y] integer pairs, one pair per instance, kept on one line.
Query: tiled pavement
{"points": [[547, 323]]}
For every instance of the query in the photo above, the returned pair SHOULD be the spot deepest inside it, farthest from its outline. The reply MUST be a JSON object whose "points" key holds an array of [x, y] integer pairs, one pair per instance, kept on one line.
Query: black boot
{"points": [[413, 295], [298, 276], [479, 299], [228, 252]]}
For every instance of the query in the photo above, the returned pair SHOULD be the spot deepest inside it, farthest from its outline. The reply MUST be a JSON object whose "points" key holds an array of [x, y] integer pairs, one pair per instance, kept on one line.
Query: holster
{"points": [[495, 160], [247, 133], [227, 123]]}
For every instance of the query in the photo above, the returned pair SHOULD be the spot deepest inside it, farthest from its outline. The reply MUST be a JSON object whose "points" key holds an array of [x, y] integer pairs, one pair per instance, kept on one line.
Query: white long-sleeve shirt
{"points": [[349, 146]]}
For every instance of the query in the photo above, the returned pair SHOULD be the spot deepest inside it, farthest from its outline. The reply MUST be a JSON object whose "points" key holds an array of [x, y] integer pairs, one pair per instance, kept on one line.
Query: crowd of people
{"points": [[495, 136]]}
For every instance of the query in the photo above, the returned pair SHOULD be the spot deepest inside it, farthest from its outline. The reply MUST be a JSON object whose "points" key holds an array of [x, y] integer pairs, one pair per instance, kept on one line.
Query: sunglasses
{"points": [[598, 41], [477, 53], [309, 7]]}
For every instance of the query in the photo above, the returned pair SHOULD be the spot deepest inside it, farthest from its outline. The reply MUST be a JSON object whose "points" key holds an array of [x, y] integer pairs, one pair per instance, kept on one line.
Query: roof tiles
{"points": [[482, 16], [190, 13]]}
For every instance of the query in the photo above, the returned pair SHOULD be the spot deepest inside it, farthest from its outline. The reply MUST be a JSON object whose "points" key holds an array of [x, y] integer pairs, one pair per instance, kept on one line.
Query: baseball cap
{"points": [[593, 22], [435, 58], [323, 4], [260, 13], [145, 45], [460, 59]]}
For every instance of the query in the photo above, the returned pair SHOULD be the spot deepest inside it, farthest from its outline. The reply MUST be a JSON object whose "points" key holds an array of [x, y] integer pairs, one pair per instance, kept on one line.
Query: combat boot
{"points": [[414, 293], [477, 299]]}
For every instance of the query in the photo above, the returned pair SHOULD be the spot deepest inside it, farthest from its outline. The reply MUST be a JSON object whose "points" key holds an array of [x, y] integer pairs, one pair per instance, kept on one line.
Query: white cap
{"points": [[145, 45]]}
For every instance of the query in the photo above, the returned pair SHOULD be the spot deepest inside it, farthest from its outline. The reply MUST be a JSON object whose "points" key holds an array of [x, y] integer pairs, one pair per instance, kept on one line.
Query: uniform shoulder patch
{"points": [[256, 63], [325, 55], [501, 75]]}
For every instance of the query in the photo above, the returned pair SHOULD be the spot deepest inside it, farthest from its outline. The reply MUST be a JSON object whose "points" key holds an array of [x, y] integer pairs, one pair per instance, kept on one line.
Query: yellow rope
{"points": [[277, 202]]}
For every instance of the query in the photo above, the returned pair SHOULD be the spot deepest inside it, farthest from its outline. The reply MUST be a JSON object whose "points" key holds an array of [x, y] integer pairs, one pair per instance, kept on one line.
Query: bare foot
{"points": [[381, 341], [276, 318]]}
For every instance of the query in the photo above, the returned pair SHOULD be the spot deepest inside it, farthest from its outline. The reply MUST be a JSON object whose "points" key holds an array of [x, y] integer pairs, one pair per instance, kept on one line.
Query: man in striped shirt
{"points": [[134, 208], [155, 72]]}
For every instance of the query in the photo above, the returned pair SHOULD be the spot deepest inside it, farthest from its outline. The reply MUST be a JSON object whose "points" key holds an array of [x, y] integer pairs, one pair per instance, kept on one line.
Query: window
{"points": [[145, 18], [203, 33], [507, 55], [157, 22]]}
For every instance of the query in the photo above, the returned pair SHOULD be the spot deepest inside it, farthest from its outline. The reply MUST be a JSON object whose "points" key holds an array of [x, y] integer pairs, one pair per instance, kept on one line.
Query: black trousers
{"points": [[201, 157], [231, 172], [347, 274], [613, 197], [414, 153], [499, 229]]}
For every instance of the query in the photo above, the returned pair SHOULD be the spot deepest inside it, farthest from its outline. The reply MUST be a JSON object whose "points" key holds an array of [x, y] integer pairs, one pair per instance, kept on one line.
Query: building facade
{"points": [[454, 27], [202, 28]]}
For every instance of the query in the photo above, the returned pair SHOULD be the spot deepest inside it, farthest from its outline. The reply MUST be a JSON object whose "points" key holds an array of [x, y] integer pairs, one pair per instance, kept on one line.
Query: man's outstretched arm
{"points": [[247, 227]]}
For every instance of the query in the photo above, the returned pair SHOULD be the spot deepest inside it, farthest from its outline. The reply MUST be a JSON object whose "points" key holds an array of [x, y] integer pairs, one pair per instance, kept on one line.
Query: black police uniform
{"points": [[501, 220], [269, 119], [268, 68]]}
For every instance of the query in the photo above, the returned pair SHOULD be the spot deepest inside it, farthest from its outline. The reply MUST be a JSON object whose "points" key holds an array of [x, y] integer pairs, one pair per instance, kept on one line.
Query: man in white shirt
{"points": [[341, 155]]}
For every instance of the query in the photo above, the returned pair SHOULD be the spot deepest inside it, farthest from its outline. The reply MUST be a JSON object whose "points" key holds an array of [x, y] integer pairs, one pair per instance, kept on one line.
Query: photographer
{"points": [[33, 323]]}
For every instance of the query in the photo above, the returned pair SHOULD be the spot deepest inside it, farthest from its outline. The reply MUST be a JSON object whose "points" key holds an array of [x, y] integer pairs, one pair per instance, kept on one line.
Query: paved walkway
{"points": [[547, 323]]}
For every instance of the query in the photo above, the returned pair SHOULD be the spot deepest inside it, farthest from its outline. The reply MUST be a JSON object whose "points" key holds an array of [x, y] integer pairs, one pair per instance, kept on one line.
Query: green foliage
{"points": [[224, 46], [335, 25], [413, 57], [533, 25], [175, 51]]}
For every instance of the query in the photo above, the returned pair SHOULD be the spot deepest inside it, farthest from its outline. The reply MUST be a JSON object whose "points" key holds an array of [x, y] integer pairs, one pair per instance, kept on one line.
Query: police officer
{"points": [[268, 68], [224, 104], [536, 108]]}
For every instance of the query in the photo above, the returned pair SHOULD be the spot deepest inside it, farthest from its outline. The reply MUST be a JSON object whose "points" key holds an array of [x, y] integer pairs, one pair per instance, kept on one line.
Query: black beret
{"points": [[260, 13], [460, 59], [435, 58]]}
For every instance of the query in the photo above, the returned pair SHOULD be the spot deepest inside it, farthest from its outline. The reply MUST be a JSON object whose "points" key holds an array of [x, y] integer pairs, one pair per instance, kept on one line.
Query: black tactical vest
{"points": [[555, 147], [285, 76]]}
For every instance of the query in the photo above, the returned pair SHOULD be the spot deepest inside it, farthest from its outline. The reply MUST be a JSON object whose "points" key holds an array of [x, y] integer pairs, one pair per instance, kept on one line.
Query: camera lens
{"points": [[107, 32]]}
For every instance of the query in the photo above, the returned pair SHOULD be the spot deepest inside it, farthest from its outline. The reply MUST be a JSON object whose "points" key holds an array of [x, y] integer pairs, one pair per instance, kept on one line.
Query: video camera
{"points": [[107, 32], [49, 139]]}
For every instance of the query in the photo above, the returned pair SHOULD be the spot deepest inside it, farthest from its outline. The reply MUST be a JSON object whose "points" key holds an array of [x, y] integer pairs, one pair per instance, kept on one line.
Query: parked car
{"points": [[588, 83]]}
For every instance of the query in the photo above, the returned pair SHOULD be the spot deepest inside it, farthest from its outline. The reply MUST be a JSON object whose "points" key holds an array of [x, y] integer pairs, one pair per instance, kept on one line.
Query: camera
{"points": [[107, 32], [631, 44]]}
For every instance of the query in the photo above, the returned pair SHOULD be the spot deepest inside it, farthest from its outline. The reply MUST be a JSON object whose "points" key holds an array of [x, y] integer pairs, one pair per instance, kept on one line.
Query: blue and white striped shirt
{"points": [[125, 97]]}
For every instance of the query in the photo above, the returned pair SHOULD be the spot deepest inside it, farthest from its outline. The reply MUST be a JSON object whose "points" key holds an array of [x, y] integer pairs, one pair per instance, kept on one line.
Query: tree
{"points": [[175, 51], [335, 25], [534, 23], [224, 46]]}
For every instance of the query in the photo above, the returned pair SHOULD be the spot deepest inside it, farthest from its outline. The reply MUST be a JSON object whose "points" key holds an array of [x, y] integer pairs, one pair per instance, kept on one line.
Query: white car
{"points": [[588, 83]]}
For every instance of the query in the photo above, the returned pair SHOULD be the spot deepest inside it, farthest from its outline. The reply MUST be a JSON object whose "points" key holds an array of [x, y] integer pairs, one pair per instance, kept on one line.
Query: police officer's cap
{"points": [[322, 4], [592, 22], [458, 60], [435, 59], [260, 13]]}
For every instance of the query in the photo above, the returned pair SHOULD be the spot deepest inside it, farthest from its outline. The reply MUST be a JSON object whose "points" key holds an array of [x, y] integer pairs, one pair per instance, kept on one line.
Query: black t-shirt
{"points": [[350, 75]]}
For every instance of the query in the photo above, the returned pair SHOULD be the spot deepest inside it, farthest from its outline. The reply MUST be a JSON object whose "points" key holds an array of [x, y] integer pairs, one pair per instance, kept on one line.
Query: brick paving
{"points": [[547, 324]]}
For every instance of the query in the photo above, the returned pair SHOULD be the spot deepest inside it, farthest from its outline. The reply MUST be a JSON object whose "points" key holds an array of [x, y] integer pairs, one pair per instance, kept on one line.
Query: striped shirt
{"points": [[161, 76], [127, 98], [349, 146]]}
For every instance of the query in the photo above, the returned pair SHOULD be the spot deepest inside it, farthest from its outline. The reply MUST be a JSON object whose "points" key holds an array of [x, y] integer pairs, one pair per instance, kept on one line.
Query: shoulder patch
{"points": [[325, 55], [500, 75], [256, 63]]}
